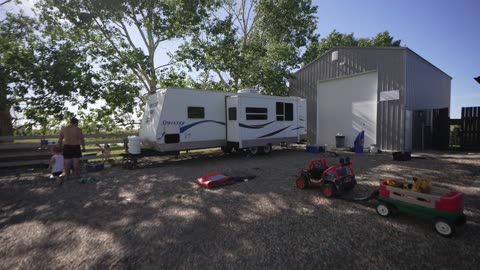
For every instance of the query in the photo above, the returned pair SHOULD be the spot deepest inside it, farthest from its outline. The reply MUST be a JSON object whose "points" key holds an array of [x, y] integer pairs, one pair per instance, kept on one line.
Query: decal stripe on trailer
{"points": [[298, 128], [273, 133], [184, 128], [254, 126]]}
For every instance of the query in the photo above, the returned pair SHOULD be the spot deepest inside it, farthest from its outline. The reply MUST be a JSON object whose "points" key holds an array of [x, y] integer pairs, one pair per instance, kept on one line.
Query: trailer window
{"points": [[255, 113], [196, 112], [280, 111], [232, 113], [284, 111], [172, 138], [288, 111]]}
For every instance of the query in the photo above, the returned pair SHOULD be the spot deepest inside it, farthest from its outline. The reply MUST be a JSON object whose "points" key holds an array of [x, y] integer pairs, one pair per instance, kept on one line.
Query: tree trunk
{"points": [[6, 128]]}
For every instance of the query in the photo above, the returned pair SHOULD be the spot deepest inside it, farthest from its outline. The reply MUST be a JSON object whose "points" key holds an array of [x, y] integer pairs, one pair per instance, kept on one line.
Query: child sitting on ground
{"points": [[56, 164]]}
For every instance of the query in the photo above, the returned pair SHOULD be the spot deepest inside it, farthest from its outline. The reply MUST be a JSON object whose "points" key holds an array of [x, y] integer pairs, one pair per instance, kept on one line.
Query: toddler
{"points": [[56, 163]]}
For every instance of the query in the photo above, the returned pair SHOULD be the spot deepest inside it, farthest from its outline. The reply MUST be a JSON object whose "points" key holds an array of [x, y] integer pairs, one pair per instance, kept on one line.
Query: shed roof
{"points": [[372, 48]]}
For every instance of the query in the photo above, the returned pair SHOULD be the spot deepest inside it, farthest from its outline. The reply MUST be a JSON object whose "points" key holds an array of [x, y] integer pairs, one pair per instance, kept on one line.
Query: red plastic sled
{"points": [[215, 179]]}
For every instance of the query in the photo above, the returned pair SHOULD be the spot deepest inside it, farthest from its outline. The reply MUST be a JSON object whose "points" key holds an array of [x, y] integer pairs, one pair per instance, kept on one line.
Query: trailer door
{"points": [[302, 119], [233, 118]]}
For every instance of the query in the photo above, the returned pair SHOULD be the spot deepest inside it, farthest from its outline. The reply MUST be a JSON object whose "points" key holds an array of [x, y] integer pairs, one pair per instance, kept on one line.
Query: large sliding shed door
{"points": [[347, 106]]}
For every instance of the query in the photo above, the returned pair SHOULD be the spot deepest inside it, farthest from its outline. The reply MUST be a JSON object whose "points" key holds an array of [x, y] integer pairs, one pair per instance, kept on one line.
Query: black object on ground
{"points": [[373, 195], [243, 178], [402, 156]]}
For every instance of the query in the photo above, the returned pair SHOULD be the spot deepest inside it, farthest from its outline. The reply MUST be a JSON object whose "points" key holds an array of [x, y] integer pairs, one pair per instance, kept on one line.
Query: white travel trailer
{"points": [[178, 119]]}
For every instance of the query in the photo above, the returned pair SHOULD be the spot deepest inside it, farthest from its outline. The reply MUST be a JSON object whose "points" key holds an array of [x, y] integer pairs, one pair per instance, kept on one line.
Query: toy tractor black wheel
{"points": [[444, 227], [302, 182], [329, 190]]}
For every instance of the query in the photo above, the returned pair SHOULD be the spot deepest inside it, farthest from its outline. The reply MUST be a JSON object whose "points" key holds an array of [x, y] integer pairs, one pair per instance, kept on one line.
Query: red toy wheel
{"points": [[302, 182], [328, 190]]}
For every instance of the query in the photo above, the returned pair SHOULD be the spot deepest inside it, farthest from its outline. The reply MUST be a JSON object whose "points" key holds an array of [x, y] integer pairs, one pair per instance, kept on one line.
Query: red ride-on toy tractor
{"points": [[333, 180]]}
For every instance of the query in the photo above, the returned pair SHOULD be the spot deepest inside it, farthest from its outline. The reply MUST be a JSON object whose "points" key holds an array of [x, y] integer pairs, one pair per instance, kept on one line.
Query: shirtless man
{"points": [[71, 138]]}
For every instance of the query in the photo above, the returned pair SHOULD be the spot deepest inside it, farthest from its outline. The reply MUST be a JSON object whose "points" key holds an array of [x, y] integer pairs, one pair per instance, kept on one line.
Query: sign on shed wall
{"points": [[390, 95]]}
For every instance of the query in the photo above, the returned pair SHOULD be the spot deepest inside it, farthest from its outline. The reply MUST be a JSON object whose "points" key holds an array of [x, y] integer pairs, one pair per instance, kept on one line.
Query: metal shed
{"points": [[401, 98]]}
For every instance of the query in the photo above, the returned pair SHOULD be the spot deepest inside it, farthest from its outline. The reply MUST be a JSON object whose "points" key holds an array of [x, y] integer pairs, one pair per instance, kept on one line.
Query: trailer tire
{"points": [[266, 149], [444, 227], [384, 209], [227, 149], [252, 150]]}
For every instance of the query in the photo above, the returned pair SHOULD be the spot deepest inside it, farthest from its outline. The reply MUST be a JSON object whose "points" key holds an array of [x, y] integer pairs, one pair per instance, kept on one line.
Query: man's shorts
{"points": [[72, 151]]}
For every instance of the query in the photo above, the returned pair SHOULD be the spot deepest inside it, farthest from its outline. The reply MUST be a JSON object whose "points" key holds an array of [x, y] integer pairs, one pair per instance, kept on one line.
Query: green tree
{"points": [[257, 42], [39, 74], [124, 37], [316, 49]]}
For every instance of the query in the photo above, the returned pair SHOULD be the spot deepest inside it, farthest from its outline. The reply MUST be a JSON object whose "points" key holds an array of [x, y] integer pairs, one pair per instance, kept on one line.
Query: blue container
{"points": [[315, 149], [358, 149], [94, 167]]}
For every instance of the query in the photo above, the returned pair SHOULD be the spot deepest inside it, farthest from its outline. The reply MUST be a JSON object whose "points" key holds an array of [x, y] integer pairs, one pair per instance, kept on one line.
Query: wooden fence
{"points": [[35, 150], [470, 132]]}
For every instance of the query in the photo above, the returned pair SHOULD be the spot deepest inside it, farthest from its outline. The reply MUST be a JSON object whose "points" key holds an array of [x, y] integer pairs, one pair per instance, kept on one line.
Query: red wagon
{"points": [[443, 206]]}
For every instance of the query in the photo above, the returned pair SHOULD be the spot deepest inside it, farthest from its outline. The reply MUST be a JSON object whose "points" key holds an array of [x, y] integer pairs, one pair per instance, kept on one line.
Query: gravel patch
{"points": [[157, 217]]}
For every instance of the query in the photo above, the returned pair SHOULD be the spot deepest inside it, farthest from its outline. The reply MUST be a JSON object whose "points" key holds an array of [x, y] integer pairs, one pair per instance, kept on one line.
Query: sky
{"points": [[445, 33]]}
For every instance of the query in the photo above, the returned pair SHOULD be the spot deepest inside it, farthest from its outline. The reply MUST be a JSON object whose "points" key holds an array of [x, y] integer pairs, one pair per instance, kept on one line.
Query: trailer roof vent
{"points": [[334, 56], [248, 91]]}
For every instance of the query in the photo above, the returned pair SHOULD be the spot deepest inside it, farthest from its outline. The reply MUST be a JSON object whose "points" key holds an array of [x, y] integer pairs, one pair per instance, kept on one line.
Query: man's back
{"points": [[72, 135]]}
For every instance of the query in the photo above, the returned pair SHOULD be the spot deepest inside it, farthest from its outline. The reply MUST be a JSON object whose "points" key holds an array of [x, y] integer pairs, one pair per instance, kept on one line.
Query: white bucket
{"points": [[373, 149], [134, 145]]}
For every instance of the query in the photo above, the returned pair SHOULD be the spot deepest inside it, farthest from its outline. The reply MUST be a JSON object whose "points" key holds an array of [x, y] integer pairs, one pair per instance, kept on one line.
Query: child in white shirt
{"points": [[57, 163]]}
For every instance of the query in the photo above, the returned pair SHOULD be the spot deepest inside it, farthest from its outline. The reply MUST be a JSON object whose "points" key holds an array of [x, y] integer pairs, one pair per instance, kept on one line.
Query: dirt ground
{"points": [[157, 217]]}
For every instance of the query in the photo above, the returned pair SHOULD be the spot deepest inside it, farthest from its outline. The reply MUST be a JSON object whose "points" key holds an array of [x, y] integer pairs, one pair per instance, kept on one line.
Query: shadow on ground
{"points": [[158, 217]]}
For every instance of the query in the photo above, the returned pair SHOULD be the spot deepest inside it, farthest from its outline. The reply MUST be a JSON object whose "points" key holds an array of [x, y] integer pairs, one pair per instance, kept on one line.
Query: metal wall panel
{"points": [[390, 65], [427, 87]]}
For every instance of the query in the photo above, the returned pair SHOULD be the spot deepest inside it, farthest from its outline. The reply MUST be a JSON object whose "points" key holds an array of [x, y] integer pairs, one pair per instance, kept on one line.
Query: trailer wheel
{"points": [[329, 190], [444, 227], [253, 150], [384, 210], [227, 149], [266, 149]]}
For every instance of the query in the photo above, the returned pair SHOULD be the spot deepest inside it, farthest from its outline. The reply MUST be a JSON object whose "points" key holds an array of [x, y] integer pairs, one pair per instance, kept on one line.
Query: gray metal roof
{"points": [[372, 48]]}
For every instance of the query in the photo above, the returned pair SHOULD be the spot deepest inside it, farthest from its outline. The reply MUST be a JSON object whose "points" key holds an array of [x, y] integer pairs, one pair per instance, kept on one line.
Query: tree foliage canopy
{"points": [[40, 73], [120, 39], [112, 53], [257, 42], [318, 48]]}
